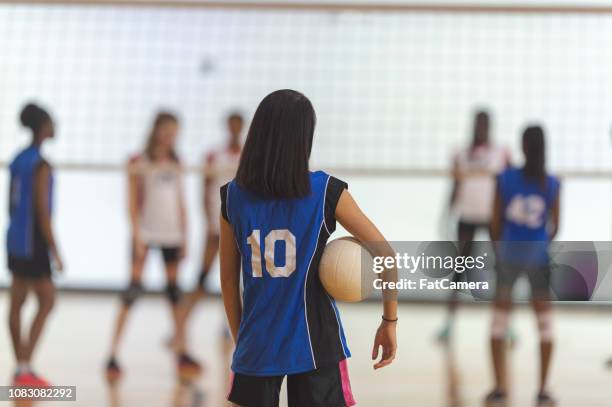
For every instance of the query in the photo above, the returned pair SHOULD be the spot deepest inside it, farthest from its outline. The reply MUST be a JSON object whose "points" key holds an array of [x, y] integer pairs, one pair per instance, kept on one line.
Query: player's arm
{"points": [[554, 215], [497, 218], [359, 225], [182, 213], [207, 188], [456, 179], [42, 182], [133, 207], [229, 259], [133, 200]]}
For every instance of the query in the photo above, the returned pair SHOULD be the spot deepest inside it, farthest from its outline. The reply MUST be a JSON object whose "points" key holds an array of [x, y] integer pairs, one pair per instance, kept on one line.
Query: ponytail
{"points": [[535, 154]]}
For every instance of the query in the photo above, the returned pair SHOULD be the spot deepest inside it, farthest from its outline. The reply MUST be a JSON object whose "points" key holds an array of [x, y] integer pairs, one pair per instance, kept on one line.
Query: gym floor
{"points": [[425, 373]]}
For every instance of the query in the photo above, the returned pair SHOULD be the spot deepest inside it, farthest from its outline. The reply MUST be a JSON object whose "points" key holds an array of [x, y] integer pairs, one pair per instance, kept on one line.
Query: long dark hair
{"points": [[535, 154], [34, 117], [274, 162], [482, 123], [161, 119]]}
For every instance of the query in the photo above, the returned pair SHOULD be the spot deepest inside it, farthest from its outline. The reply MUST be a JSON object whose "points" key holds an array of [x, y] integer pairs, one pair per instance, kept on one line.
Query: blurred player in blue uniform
{"points": [[525, 220], [276, 217], [30, 240]]}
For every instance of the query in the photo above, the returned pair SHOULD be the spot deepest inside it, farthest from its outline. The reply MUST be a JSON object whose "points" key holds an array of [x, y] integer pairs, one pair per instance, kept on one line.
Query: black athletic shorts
{"points": [[169, 254], [539, 279], [37, 266], [327, 386]]}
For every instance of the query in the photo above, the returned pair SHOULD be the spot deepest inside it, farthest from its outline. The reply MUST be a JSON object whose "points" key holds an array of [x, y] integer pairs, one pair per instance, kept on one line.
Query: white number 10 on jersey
{"points": [[254, 240]]}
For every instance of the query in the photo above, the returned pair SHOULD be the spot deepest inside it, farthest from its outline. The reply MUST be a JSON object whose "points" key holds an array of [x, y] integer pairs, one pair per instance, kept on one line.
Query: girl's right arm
{"points": [[357, 223], [497, 218], [43, 175], [133, 208], [229, 259]]}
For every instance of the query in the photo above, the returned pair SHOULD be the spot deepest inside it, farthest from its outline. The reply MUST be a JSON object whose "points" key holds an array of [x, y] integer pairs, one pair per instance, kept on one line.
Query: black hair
{"points": [[274, 162], [481, 117], [535, 154], [34, 117]]}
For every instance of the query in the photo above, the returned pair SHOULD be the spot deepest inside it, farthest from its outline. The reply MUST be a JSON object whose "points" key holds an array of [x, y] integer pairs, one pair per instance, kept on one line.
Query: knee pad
{"points": [[545, 325], [173, 293], [499, 323], [131, 294]]}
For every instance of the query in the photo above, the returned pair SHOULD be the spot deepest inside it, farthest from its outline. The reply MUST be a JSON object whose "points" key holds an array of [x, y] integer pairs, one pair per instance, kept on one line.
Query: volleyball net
{"points": [[395, 88]]}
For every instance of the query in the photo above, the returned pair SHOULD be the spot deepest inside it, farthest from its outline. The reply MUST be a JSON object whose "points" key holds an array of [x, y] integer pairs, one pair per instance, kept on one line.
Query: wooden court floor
{"points": [[74, 347]]}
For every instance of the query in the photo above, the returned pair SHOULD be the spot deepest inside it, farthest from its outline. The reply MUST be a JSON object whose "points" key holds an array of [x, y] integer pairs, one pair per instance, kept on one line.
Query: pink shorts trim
{"points": [[346, 384]]}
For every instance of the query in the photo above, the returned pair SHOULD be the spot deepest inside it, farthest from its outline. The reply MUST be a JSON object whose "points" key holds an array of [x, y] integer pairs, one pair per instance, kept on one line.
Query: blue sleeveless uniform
{"points": [[26, 247], [526, 205], [289, 323]]}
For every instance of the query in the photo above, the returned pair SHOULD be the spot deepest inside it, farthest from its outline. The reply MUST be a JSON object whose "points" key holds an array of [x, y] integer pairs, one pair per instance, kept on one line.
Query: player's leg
{"points": [[540, 286], [465, 236], [128, 298], [543, 312], [211, 249], [499, 328], [326, 386], [189, 301], [19, 293], [44, 289], [172, 292], [188, 368], [500, 322]]}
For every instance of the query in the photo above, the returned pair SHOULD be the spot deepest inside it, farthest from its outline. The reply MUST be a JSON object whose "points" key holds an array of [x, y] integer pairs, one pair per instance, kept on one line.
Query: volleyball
{"points": [[345, 270]]}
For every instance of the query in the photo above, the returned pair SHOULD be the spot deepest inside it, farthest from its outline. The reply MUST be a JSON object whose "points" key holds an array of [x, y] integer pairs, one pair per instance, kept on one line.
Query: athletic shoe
{"points": [[544, 400], [187, 367], [496, 398], [30, 379], [113, 371]]}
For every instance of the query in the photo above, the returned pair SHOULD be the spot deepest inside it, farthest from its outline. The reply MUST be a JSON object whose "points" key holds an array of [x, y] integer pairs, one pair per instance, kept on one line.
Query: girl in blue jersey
{"points": [[30, 240], [525, 220], [276, 217]]}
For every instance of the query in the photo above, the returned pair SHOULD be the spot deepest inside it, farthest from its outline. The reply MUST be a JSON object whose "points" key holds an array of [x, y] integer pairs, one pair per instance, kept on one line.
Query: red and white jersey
{"points": [[159, 193], [476, 191], [220, 167]]}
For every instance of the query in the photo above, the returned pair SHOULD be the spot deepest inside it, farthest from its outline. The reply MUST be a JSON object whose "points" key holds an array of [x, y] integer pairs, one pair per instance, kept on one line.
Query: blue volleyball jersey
{"points": [[289, 323], [526, 205], [22, 208]]}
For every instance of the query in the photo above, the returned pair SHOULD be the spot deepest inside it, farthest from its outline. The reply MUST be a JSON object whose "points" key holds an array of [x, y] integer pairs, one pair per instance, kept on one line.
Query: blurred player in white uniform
{"points": [[474, 170], [158, 221], [219, 168]]}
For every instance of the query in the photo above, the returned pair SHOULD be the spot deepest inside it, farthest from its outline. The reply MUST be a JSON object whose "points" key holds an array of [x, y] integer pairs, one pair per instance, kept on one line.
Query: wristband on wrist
{"points": [[389, 320]]}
